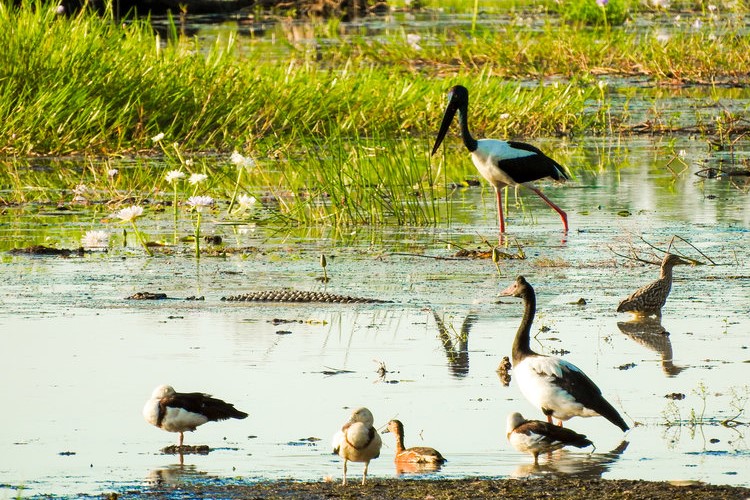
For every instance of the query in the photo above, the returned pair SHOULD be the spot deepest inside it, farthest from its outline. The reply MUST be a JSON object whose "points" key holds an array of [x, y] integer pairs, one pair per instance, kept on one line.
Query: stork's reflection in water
{"points": [[456, 343]]}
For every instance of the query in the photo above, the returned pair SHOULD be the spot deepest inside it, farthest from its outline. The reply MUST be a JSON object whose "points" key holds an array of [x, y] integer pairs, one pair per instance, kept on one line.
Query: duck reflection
{"points": [[650, 333], [175, 475], [415, 468], [569, 464], [456, 344]]}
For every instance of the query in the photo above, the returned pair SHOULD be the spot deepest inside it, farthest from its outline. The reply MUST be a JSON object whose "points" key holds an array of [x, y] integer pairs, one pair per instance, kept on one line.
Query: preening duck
{"points": [[184, 411], [358, 441], [559, 388], [501, 163], [535, 436], [649, 300], [415, 454]]}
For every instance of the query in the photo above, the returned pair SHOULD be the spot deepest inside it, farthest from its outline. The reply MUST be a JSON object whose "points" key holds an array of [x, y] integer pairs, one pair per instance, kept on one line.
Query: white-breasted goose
{"points": [[175, 411], [502, 163], [535, 436], [649, 299], [559, 388], [415, 454], [358, 441]]}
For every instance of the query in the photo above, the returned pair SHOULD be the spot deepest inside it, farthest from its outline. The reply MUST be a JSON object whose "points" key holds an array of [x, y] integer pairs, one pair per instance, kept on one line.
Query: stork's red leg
{"points": [[557, 209], [500, 219]]}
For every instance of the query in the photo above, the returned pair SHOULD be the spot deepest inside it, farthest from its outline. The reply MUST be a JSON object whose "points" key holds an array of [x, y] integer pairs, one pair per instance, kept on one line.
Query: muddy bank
{"points": [[558, 488]]}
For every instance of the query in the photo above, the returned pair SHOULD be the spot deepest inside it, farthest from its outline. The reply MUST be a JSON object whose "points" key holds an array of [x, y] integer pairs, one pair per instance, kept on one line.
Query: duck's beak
{"points": [[450, 112]]}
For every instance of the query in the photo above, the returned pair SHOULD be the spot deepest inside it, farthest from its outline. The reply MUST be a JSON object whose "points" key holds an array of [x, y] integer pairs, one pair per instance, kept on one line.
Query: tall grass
{"points": [[85, 84]]}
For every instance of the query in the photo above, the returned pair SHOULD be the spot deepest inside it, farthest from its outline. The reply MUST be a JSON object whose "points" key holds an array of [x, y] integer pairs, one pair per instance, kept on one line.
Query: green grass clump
{"points": [[595, 12]]}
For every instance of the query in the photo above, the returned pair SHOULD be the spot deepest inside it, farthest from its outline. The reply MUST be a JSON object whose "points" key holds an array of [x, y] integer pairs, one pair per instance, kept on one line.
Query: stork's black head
{"points": [[458, 99]]}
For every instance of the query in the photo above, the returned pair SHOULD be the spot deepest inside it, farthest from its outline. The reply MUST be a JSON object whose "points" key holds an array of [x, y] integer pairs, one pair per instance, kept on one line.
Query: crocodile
{"points": [[287, 295]]}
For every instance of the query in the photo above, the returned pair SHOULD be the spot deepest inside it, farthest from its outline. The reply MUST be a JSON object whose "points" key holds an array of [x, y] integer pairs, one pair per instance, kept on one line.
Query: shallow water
{"points": [[79, 361]]}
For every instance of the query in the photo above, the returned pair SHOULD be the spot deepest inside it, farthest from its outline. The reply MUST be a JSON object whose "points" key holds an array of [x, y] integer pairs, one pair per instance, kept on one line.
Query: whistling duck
{"points": [[415, 454]]}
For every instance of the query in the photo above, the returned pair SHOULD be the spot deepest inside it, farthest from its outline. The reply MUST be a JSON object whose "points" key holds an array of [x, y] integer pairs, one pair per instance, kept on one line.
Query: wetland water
{"points": [[79, 360]]}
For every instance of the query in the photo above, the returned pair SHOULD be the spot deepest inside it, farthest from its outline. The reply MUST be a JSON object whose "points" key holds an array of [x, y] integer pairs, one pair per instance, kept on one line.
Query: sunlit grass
{"points": [[340, 131]]}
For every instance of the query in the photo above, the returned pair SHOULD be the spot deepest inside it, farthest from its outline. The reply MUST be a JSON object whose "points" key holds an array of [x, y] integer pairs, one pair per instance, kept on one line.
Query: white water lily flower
{"points": [[129, 214], [242, 161], [197, 178], [174, 175], [200, 202], [246, 202], [95, 239], [158, 137], [82, 190], [412, 40]]}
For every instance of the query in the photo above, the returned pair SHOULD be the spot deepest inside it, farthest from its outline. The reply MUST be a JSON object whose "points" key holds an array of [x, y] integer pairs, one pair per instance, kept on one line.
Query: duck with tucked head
{"points": [[358, 441], [423, 455], [559, 388], [175, 411], [535, 436]]}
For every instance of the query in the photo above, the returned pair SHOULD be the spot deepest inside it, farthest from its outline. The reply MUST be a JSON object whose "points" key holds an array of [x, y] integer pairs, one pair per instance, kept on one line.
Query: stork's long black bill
{"points": [[450, 112]]}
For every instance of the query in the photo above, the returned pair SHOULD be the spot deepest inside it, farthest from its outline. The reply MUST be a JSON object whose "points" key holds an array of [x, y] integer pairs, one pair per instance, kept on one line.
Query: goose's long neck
{"points": [[469, 141], [521, 347]]}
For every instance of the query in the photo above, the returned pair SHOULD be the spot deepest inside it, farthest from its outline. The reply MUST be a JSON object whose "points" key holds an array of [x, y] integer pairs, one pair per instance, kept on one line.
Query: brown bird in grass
{"points": [[416, 454], [648, 300], [536, 436]]}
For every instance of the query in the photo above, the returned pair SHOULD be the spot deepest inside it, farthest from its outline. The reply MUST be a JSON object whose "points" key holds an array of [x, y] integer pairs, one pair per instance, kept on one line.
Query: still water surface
{"points": [[79, 361]]}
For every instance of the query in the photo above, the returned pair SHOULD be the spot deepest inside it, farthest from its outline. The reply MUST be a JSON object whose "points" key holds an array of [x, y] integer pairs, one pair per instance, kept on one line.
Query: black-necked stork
{"points": [[559, 388], [502, 163], [535, 436], [184, 411], [358, 441]]}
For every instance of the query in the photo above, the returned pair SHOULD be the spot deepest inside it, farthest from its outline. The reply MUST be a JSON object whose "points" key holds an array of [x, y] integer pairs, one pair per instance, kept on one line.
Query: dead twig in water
{"points": [[436, 257], [634, 255]]}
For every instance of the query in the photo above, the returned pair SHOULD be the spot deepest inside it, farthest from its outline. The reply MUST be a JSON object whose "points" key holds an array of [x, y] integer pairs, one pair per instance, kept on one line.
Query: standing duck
{"points": [[175, 411], [415, 454], [556, 386], [648, 300], [535, 436], [502, 163], [358, 441]]}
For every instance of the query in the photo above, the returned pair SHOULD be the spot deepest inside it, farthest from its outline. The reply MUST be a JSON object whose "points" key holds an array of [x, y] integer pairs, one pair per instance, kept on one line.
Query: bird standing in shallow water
{"points": [[648, 300], [535, 436], [556, 386], [358, 441], [184, 411], [502, 163], [415, 454]]}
